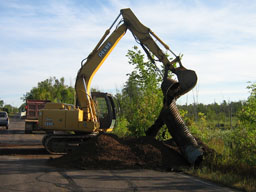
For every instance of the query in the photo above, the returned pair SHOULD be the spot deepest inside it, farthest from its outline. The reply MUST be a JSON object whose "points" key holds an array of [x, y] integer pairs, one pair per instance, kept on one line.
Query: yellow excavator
{"points": [[67, 125]]}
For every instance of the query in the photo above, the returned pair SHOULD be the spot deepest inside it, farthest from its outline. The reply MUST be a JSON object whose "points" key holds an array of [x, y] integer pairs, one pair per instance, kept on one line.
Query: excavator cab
{"points": [[105, 110]]}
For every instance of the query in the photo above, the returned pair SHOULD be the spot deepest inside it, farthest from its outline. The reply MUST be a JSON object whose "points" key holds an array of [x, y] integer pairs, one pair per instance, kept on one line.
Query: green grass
{"points": [[234, 176], [233, 163]]}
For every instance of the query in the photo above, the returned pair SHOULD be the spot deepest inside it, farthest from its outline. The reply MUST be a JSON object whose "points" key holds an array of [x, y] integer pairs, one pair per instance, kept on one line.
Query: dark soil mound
{"points": [[107, 151]]}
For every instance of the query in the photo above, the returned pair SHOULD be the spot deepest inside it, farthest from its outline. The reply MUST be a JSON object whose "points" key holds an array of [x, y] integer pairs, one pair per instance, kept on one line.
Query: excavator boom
{"points": [[187, 78], [90, 67]]}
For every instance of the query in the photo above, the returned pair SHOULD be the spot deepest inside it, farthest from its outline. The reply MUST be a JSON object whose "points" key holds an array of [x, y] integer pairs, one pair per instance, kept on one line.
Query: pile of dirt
{"points": [[107, 151]]}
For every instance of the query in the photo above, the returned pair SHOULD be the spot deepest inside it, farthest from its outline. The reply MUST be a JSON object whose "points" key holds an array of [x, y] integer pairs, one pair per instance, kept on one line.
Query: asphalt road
{"points": [[23, 167]]}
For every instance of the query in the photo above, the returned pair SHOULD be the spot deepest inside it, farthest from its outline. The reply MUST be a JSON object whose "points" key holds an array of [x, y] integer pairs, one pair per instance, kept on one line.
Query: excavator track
{"points": [[63, 144]]}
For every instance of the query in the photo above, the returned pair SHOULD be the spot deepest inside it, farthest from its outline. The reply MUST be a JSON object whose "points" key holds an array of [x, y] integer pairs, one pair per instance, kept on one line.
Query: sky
{"points": [[40, 39]]}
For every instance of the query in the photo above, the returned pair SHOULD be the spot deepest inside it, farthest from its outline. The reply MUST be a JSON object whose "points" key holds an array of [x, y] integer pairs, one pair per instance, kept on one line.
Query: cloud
{"points": [[224, 66]]}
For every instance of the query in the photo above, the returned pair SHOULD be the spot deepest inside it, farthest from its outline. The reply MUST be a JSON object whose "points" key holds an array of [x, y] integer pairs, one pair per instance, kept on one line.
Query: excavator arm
{"points": [[187, 78], [90, 67]]}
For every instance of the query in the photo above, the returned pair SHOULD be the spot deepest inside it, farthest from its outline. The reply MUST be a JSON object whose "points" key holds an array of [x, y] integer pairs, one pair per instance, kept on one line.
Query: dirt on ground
{"points": [[107, 151]]}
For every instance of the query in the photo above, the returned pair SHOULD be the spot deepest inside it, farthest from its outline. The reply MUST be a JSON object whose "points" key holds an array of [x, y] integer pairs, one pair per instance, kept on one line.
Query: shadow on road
{"points": [[23, 151], [23, 166], [4, 131]]}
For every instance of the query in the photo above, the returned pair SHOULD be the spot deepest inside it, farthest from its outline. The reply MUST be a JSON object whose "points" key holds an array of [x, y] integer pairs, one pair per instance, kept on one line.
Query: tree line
{"points": [[7, 107], [52, 89]]}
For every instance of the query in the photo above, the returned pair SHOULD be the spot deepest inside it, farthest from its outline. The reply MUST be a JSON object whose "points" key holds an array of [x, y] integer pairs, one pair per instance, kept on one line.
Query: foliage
{"points": [[1, 103], [248, 113], [121, 129], [10, 109], [52, 89], [22, 107], [228, 176], [7, 107], [141, 98], [245, 146], [220, 112]]}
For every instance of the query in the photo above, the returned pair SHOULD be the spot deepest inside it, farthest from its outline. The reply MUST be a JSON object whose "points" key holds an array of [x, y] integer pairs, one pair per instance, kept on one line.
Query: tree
{"points": [[52, 89], [248, 113], [1, 103], [10, 109], [22, 107], [141, 98], [244, 136]]}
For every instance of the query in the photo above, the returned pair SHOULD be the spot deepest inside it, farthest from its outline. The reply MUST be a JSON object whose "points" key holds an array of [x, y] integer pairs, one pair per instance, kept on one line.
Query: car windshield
{"points": [[2, 114]]}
